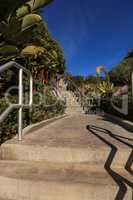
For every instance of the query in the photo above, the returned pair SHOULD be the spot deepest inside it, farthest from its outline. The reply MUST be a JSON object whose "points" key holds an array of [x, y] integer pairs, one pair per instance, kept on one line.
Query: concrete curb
{"points": [[35, 126], [32, 128]]}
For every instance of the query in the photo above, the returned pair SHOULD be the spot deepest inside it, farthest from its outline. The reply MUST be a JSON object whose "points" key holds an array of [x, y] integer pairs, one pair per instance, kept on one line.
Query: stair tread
{"points": [[70, 132], [65, 161], [54, 172], [57, 145]]}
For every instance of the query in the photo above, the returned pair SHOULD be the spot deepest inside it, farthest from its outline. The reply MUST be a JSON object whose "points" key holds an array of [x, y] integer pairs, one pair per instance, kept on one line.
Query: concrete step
{"points": [[65, 161], [5, 199], [73, 106], [68, 140], [45, 181], [74, 110], [30, 151]]}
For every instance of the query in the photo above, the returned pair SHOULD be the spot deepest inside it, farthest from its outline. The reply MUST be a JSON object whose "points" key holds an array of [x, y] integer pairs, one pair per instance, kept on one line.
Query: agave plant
{"points": [[105, 88]]}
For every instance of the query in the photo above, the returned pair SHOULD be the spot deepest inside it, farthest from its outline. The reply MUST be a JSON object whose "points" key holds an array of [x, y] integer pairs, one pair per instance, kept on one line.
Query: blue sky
{"points": [[91, 33]]}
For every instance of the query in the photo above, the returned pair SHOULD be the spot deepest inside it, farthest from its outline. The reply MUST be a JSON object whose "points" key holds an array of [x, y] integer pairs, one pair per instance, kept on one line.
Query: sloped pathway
{"points": [[79, 157]]}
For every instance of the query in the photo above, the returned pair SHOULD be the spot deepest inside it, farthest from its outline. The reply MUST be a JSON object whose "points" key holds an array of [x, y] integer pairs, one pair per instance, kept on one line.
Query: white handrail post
{"points": [[20, 114], [31, 97], [19, 105], [31, 91]]}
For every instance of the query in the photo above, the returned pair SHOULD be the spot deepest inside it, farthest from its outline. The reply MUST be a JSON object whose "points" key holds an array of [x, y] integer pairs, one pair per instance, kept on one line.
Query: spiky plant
{"points": [[105, 88]]}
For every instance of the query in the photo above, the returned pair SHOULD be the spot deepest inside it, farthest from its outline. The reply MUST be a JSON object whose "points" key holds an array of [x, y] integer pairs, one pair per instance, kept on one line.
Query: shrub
{"points": [[9, 127]]}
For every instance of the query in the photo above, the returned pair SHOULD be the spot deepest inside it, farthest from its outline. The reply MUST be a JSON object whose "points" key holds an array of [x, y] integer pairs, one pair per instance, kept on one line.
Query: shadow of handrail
{"points": [[116, 137], [129, 163], [121, 181], [124, 124], [119, 138]]}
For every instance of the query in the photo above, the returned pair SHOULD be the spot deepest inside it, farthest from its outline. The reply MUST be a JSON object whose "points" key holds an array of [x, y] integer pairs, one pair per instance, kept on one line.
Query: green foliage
{"points": [[19, 8], [9, 127], [51, 57], [74, 82], [30, 20], [16, 36], [121, 73], [105, 89], [107, 107], [91, 79], [30, 6], [7, 7], [24, 38], [8, 50], [78, 80]]}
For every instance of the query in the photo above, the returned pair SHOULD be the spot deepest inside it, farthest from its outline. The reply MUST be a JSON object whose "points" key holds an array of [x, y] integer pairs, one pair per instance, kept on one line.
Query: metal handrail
{"points": [[82, 99], [77, 93], [124, 109], [20, 104]]}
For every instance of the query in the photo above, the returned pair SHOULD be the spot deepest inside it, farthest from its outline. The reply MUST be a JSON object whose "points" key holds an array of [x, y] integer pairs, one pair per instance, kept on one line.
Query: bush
{"points": [[107, 107], [9, 127]]}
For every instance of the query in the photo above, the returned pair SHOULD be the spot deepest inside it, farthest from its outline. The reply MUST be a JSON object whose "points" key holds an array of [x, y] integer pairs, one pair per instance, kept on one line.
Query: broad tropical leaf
{"points": [[7, 7], [35, 4], [30, 20], [8, 50], [32, 50], [31, 6], [22, 11]]}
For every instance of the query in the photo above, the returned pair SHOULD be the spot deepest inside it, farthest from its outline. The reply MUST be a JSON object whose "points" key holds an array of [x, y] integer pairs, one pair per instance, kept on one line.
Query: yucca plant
{"points": [[105, 88]]}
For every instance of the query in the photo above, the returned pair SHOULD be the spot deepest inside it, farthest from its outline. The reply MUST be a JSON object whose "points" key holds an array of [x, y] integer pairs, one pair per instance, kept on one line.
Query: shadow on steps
{"points": [[121, 181]]}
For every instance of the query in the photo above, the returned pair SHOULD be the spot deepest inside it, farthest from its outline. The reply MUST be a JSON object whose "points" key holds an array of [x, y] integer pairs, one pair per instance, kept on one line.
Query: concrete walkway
{"points": [[79, 157]]}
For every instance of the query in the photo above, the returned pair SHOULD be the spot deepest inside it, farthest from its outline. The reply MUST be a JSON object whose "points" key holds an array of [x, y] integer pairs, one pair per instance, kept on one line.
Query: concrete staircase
{"points": [[46, 181], [72, 105], [65, 161]]}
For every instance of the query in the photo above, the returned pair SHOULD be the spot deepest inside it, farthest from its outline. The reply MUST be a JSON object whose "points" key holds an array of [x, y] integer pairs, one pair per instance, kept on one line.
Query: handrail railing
{"points": [[81, 98], [86, 101], [77, 93], [20, 104], [124, 95]]}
